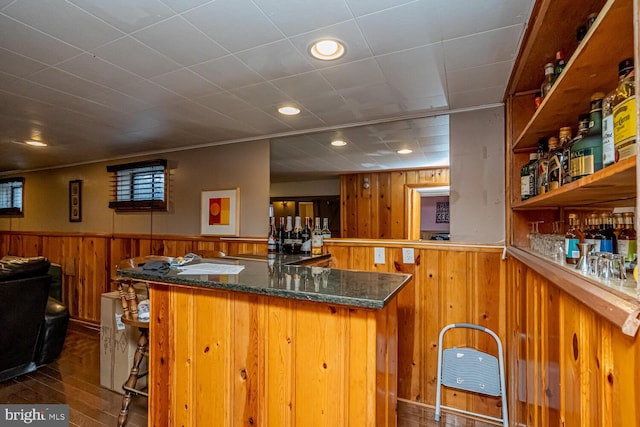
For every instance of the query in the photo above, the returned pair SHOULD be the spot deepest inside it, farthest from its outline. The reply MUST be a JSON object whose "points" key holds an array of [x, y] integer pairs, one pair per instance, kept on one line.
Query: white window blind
{"points": [[139, 186], [11, 190]]}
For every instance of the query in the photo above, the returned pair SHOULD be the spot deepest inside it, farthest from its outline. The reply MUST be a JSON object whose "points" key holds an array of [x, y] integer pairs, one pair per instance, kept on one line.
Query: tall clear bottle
{"points": [[297, 231], [272, 238], [326, 232], [624, 114], [627, 241], [586, 152], [317, 239], [572, 237], [549, 73], [610, 101], [288, 231]]}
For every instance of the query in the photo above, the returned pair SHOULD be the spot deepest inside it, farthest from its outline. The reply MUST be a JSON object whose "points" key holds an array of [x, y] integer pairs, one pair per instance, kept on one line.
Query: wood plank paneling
{"points": [[380, 212]]}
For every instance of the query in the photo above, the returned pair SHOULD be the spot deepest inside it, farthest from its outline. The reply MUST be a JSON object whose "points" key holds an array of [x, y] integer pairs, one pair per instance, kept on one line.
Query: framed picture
{"points": [[220, 212], [75, 200], [442, 212]]}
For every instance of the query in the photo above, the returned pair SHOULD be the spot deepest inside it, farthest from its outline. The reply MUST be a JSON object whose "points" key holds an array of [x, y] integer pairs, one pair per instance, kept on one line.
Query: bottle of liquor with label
{"points": [[586, 152], [565, 142], [305, 234], [281, 233], [297, 231], [624, 113], [609, 242], [559, 66], [272, 238], [554, 167], [572, 237], [288, 231], [548, 79], [543, 166], [317, 239], [610, 101], [326, 232], [527, 190], [627, 243]]}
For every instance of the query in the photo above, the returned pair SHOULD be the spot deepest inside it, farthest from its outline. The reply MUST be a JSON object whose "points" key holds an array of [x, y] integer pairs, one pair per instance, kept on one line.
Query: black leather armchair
{"points": [[32, 325]]}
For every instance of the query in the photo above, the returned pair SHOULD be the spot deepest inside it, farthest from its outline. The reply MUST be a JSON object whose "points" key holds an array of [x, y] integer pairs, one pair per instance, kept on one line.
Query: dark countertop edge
{"points": [[274, 292]]}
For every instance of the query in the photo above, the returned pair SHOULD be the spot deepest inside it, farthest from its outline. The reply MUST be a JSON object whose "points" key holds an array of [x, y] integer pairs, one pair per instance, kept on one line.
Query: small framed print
{"points": [[442, 212], [75, 200], [220, 212]]}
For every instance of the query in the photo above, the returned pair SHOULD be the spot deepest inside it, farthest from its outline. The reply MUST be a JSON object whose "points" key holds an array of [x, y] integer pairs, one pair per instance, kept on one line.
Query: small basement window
{"points": [[11, 190], [139, 186]]}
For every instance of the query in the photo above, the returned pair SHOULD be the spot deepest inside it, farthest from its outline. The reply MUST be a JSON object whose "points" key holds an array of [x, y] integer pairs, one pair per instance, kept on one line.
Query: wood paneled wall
{"points": [[568, 366], [380, 211]]}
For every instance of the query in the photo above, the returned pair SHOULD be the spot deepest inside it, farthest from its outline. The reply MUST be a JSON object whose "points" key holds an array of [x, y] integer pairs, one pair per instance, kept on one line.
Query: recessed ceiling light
{"points": [[404, 151], [327, 49], [338, 143], [289, 110], [36, 143]]}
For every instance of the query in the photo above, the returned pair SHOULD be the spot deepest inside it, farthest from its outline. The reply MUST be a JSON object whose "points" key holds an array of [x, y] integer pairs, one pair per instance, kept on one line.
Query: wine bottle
{"points": [[272, 246], [326, 233], [317, 239], [306, 237]]}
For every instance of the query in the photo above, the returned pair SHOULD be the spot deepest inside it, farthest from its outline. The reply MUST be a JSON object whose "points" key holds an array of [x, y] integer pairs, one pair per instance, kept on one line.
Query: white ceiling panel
{"points": [[100, 78]]}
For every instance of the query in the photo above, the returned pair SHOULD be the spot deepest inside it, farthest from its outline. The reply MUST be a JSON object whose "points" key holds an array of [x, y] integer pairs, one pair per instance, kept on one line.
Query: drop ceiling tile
{"points": [[481, 49], [464, 18], [275, 60], [4, 3], [365, 7], [223, 102], [186, 83], [227, 21], [65, 82], [180, 41], [64, 21], [118, 101], [481, 96], [348, 32], [227, 72], [353, 74], [262, 95], [138, 58], [298, 17], [304, 120], [6, 78], [474, 78], [183, 5], [39, 92], [127, 15], [18, 65], [433, 103], [97, 70], [301, 85], [259, 121], [415, 73], [413, 24], [150, 92], [33, 44]]}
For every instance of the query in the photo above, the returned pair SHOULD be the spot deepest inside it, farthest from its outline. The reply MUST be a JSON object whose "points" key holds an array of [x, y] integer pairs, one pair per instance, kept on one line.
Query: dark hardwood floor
{"points": [[74, 379]]}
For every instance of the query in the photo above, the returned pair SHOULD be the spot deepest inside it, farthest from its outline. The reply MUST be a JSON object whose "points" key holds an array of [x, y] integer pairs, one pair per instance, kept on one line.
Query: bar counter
{"points": [[275, 345]]}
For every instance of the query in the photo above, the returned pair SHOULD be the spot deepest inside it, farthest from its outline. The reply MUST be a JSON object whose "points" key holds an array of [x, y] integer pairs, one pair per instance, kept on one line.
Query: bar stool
{"points": [[129, 299]]}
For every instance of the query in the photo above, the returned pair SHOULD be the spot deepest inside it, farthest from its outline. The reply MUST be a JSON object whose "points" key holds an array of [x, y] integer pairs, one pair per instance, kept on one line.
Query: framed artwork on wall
{"points": [[442, 212], [75, 200], [220, 212]]}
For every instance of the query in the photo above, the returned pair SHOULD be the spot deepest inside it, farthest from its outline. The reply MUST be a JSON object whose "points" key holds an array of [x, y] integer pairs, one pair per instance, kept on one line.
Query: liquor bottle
{"points": [[554, 167], [590, 231], [618, 223], [527, 190], [548, 79], [281, 234], [317, 239], [572, 237], [543, 166], [565, 143], [305, 234], [288, 231], [609, 243], [326, 232], [581, 31], [297, 232], [559, 65], [272, 238], [586, 153], [627, 243], [624, 113]]}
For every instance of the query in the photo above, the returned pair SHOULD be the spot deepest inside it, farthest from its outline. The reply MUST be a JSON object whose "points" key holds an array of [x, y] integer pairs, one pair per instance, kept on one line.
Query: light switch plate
{"points": [[378, 255], [407, 256]]}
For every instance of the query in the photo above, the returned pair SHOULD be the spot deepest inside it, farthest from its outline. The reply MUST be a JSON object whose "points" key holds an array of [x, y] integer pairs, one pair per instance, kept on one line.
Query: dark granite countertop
{"points": [[281, 279]]}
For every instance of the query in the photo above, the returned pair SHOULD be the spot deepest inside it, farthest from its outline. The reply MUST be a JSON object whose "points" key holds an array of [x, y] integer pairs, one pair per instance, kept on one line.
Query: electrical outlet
{"points": [[378, 255], [407, 256]]}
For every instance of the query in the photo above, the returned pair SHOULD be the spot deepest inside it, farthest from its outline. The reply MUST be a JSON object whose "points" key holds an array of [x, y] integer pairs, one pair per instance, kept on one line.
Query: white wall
{"points": [[477, 199], [243, 165]]}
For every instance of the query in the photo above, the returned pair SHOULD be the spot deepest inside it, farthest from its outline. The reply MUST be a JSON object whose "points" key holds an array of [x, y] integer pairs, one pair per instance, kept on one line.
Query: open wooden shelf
{"points": [[612, 186], [592, 68]]}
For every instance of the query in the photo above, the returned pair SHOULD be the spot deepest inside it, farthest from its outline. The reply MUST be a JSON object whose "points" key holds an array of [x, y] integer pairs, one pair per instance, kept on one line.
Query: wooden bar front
{"points": [[231, 358]]}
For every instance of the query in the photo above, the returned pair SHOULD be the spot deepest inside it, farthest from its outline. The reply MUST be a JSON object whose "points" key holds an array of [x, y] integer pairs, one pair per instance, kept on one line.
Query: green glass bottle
{"points": [[586, 153]]}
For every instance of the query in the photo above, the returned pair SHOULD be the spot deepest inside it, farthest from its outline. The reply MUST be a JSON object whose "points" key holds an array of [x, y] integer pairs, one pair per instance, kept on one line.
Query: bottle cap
{"points": [[560, 54], [548, 67], [625, 66], [553, 143], [533, 156]]}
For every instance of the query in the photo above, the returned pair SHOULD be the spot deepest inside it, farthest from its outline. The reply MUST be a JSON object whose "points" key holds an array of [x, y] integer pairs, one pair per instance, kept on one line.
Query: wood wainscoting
{"points": [[568, 365]]}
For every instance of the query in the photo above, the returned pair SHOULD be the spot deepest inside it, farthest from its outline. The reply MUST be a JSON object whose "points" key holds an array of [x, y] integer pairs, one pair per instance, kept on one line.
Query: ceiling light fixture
{"points": [[404, 151], [338, 143], [35, 143], [327, 50], [289, 110]]}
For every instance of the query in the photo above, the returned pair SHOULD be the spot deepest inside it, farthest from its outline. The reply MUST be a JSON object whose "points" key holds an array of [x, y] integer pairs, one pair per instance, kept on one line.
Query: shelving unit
{"points": [[592, 67]]}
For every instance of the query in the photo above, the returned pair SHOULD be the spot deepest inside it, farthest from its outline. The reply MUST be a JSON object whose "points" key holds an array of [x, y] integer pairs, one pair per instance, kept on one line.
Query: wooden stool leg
{"points": [[141, 350]]}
